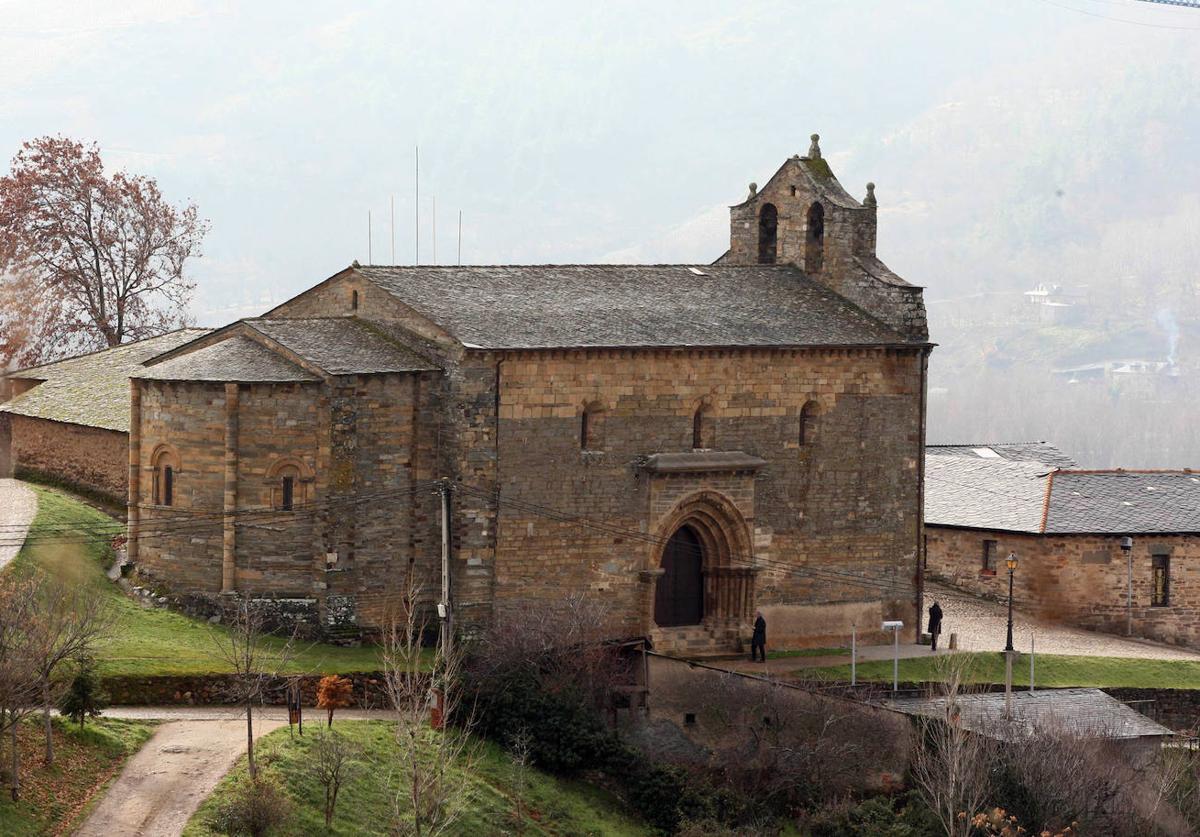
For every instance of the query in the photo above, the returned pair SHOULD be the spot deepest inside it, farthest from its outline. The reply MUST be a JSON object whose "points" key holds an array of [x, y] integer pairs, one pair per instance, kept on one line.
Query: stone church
{"points": [[687, 444]]}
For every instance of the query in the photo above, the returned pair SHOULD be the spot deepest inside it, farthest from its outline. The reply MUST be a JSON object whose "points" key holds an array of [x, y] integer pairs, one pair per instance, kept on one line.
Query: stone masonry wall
{"points": [[1078, 579], [360, 464], [87, 457], [835, 521], [181, 545]]}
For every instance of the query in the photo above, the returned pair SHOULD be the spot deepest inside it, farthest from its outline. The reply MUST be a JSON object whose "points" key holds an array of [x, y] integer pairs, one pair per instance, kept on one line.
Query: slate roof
{"points": [[1012, 451], [1083, 712], [1124, 502], [979, 493], [577, 306], [235, 358], [336, 346], [342, 346], [974, 492], [93, 389]]}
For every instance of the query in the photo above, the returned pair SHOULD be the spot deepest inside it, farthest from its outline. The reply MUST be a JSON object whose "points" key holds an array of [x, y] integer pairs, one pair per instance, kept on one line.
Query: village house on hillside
{"points": [[68, 422], [1111, 550], [685, 443]]}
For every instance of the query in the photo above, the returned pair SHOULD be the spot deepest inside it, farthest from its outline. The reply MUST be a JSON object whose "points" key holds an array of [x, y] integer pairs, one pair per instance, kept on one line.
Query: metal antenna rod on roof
{"points": [[392, 225], [369, 260], [435, 229], [417, 211], [460, 236]]}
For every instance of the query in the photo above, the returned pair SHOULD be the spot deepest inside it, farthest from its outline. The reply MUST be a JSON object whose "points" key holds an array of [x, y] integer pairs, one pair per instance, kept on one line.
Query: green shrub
{"points": [[255, 808], [878, 816], [84, 698]]}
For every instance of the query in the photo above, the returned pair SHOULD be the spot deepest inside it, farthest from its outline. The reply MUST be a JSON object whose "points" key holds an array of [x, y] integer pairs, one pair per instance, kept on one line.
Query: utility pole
{"points": [[443, 607], [1012, 566]]}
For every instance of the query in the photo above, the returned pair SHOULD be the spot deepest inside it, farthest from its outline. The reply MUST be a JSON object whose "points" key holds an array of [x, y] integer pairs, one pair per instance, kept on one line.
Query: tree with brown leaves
{"points": [[87, 260], [334, 692]]}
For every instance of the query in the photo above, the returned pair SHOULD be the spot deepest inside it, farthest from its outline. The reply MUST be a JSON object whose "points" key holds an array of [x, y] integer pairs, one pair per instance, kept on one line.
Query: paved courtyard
{"points": [[981, 626]]}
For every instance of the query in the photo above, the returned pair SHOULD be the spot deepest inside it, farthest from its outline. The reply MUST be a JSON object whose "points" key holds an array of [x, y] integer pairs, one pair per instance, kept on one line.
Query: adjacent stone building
{"points": [[1066, 527], [68, 422], [682, 443]]}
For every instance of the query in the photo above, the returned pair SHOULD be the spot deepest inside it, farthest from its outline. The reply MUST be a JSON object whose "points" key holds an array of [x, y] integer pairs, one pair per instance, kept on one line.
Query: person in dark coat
{"points": [[758, 642], [935, 624]]}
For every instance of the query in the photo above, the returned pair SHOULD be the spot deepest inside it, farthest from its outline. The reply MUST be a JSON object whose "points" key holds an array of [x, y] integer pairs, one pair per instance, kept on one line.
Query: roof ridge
{"points": [[82, 355], [1175, 471], [1046, 501], [721, 266], [988, 444]]}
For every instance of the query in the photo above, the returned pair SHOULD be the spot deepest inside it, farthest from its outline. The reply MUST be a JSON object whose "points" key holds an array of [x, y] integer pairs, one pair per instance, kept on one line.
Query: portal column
{"points": [[229, 541], [133, 513]]}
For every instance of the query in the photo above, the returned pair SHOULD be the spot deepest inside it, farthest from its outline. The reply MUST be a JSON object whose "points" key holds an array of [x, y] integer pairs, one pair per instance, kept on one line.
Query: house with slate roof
{"points": [[68, 421], [685, 444], [1066, 526]]}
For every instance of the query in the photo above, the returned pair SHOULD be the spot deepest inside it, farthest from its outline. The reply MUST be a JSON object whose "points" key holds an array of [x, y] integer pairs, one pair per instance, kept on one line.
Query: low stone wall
{"points": [[89, 458], [214, 690]]}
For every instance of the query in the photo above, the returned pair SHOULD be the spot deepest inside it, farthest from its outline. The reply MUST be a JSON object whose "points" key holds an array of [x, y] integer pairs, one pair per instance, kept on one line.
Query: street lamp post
{"points": [[1012, 565]]}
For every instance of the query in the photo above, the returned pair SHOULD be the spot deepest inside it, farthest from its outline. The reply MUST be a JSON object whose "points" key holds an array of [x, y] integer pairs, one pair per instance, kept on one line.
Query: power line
{"points": [[1126, 20]]}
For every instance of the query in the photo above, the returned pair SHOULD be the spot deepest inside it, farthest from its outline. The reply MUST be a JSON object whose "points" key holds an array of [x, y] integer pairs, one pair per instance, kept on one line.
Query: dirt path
{"points": [[163, 784], [18, 505]]}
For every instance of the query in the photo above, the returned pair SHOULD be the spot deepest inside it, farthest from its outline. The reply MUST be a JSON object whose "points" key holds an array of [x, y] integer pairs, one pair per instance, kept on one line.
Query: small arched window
{"points": [[768, 233], [591, 427], [808, 421], [289, 481], [702, 429], [814, 239], [354, 300], [165, 463]]}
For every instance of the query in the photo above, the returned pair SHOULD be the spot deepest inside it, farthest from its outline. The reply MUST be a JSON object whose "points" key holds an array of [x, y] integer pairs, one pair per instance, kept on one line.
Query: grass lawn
{"points": [[85, 762], [808, 652], [145, 641], [1050, 670], [554, 806]]}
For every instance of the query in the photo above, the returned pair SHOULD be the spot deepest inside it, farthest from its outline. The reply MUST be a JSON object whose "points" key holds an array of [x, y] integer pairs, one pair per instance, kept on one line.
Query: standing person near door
{"points": [[758, 642], [935, 625]]}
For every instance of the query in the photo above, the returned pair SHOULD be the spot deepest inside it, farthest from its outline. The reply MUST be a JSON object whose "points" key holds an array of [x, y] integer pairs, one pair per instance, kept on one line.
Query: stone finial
{"points": [[869, 200], [814, 150], [355, 263], [753, 190]]}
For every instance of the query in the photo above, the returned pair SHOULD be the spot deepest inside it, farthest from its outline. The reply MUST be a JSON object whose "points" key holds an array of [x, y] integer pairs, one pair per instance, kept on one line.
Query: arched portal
{"points": [[679, 597], [706, 566]]}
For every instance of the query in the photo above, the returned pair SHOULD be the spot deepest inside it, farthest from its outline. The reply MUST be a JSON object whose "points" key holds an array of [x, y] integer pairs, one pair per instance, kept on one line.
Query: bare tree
{"points": [[70, 622], [333, 763], [432, 796], [520, 753], [243, 647], [787, 745], [101, 258], [1075, 775], [566, 645], [950, 764], [19, 686]]}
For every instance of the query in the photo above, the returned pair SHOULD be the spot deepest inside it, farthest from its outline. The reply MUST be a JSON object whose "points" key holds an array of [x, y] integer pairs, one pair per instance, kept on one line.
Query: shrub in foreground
{"points": [[254, 808]]}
